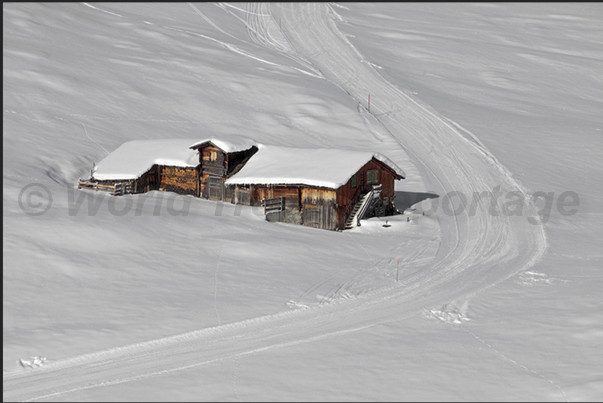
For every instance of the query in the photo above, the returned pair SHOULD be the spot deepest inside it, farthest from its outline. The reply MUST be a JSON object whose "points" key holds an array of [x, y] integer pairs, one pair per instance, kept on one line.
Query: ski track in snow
{"points": [[104, 11], [92, 140], [216, 285], [476, 252], [517, 364]]}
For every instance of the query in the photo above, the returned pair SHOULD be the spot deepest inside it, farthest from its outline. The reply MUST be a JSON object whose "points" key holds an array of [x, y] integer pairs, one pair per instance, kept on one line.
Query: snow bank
{"points": [[134, 158], [329, 168]]}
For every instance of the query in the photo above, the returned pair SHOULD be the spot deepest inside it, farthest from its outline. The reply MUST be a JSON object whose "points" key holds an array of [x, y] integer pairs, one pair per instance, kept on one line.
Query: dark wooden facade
{"points": [[318, 207], [215, 166], [213, 172], [182, 180], [360, 183], [179, 180], [321, 207]]}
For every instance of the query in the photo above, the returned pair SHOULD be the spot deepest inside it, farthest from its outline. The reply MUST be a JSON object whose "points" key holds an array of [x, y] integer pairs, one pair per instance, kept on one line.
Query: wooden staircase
{"points": [[361, 207]]}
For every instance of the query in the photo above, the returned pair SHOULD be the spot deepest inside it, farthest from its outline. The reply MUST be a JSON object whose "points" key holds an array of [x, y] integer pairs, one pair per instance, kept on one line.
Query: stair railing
{"points": [[353, 202], [368, 199]]}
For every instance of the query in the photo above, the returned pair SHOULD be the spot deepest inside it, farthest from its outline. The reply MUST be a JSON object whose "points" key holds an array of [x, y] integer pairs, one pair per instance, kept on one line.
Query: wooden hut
{"points": [[321, 188], [219, 160], [173, 165], [140, 166]]}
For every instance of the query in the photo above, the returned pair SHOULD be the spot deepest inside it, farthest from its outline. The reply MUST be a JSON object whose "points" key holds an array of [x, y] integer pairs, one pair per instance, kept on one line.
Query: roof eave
{"points": [[204, 144]]}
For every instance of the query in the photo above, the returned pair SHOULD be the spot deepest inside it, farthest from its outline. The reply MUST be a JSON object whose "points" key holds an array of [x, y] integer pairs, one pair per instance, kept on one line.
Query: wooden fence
{"points": [[117, 189], [273, 205]]}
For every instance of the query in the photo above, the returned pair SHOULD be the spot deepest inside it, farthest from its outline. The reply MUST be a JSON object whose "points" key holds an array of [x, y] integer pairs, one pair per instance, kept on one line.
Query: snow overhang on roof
{"points": [[328, 168], [227, 143], [134, 158]]}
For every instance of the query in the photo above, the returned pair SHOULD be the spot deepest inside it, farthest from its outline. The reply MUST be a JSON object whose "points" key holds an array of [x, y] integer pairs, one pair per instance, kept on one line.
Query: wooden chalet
{"points": [[140, 166], [199, 169], [321, 188], [219, 161]]}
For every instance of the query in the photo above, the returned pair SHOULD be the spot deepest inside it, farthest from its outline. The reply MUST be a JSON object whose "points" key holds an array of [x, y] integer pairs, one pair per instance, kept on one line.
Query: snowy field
{"points": [[492, 110]]}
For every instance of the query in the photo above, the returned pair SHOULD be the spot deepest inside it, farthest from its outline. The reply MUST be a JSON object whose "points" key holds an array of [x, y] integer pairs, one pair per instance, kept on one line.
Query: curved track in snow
{"points": [[480, 244], [477, 251]]}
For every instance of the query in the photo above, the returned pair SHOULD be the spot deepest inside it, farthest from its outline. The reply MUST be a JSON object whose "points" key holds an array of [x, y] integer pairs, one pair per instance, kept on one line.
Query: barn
{"points": [[322, 188], [199, 169], [140, 166]]}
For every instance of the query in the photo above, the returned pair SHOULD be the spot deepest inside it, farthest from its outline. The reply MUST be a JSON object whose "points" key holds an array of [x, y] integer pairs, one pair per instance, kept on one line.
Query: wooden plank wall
{"points": [[148, 181], [240, 194], [213, 172], [179, 180], [319, 208], [290, 193], [345, 193], [145, 183], [313, 207], [384, 177]]}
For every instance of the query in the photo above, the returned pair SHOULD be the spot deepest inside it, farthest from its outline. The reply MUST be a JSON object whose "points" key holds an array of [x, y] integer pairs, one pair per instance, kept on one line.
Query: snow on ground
{"points": [[440, 307]]}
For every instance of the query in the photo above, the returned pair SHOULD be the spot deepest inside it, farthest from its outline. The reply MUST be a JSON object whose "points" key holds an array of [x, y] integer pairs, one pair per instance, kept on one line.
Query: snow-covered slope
{"points": [[162, 297]]}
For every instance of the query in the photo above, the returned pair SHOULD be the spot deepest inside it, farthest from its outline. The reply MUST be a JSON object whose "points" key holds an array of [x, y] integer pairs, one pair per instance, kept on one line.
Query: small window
{"points": [[371, 176], [353, 181], [213, 156]]}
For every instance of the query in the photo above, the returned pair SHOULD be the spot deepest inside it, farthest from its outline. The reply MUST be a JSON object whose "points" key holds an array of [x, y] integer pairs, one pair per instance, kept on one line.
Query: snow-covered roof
{"points": [[228, 143], [134, 158], [329, 168]]}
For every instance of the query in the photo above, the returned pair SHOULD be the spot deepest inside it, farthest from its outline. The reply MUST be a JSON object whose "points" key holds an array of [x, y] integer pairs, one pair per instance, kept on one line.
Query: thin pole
{"points": [[398, 269]]}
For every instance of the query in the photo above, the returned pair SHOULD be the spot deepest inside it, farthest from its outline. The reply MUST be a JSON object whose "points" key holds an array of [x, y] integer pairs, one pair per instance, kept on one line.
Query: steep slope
{"points": [[480, 247]]}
